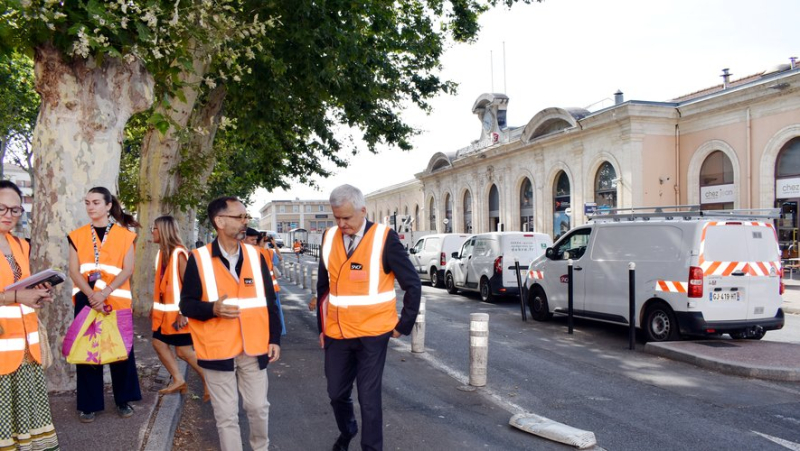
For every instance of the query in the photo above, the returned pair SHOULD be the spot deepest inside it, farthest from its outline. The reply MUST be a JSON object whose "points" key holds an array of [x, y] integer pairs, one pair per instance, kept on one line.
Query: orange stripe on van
{"points": [[712, 268], [731, 267], [663, 285]]}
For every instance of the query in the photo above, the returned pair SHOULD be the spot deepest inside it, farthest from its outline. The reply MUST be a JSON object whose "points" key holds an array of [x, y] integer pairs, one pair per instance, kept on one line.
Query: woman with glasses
{"points": [[100, 266], [25, 421], [169, 326]]}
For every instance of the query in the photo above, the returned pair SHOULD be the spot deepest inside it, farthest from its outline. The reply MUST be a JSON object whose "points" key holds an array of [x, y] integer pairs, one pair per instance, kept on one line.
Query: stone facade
{"points": [[721, 147]]}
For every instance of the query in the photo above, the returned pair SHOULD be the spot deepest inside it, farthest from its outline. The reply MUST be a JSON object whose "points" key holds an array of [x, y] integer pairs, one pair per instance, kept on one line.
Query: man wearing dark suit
{"points": [[357, 312]]}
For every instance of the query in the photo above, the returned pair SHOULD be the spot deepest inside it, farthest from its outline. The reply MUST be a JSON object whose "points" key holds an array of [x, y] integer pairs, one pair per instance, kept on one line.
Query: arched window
{"points": [[605, 187], [526, 206], [716, 182], [448, 213], [432, 215], [467, 212], [787, 197], [561, 202], [494, 208], [416, 218]]}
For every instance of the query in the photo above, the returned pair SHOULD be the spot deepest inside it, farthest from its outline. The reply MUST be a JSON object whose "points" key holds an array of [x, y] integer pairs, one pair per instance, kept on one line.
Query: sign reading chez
{"points": [[787, 188], [717, 194]]}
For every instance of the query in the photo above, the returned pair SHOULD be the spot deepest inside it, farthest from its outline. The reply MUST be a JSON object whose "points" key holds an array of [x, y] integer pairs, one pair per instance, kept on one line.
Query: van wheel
{"points": [[660, 324], [537, 303], [435, 281], [450, 284], [486, 291]]}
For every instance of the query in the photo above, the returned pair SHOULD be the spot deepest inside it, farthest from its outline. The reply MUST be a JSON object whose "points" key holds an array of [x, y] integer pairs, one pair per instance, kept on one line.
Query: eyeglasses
{"points": [[15, 211], [242, 218]]}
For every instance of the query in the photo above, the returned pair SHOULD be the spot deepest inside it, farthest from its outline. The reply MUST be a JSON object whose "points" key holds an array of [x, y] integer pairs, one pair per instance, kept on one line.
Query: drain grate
{"points": [[718, 344]]}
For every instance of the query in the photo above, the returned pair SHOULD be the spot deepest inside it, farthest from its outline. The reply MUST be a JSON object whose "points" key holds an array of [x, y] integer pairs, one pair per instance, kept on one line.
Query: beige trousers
{"points": [[253, 385]]}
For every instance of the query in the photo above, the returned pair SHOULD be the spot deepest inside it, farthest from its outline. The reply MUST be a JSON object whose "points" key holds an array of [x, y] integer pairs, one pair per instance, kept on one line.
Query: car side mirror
{"points": [[550, 253], [412, 251], [454, 255]]}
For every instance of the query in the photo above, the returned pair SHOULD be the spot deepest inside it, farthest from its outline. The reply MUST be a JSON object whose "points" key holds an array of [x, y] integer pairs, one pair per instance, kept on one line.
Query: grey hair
{"points": [[344, 194]]}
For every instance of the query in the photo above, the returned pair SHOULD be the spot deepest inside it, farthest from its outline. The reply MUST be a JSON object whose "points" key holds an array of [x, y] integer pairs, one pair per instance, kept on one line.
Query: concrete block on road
{"points": [[553, 430]]}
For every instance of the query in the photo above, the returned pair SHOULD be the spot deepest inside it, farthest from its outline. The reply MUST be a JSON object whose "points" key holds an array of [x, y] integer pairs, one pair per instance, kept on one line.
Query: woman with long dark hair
{"points": [[25, 420], [100, 265], [169, 326]]}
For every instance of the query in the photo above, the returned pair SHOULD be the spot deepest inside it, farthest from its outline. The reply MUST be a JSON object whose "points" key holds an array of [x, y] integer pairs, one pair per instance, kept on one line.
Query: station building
{"points": [[732, 146]]}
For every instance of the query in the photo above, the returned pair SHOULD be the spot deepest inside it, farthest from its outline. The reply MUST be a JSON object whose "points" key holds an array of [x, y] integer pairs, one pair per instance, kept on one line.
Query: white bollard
{"points": [[303, 280], [284, 274], [478, 348], [418, 333], [314, 282], [297, 272], [290, 272]]}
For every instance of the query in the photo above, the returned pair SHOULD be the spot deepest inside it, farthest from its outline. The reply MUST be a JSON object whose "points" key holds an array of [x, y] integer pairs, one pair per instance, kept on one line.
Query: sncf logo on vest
{"points": [[248, 281], [356, 266]]}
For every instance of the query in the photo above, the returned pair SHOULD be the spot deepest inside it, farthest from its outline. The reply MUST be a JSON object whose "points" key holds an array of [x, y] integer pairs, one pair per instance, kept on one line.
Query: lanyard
{"points": [[94, 244]]}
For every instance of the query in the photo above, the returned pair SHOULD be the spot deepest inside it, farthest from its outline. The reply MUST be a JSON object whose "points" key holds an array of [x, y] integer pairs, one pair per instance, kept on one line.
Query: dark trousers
{"points": [[360, 360], [124, 379]]}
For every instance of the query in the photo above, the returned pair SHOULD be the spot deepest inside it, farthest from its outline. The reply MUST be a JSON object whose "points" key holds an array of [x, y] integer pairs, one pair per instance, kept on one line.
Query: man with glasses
{"points": [[233, 317]]}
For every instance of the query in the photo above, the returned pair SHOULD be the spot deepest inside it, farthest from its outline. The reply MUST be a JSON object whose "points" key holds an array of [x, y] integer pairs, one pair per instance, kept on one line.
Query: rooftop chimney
{"points": [[793, 62], [726, 78], [618, 99]]}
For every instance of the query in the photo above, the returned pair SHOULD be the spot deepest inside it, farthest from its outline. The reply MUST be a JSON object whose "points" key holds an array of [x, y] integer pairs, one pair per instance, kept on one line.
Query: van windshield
{"points": [[740, 243]]}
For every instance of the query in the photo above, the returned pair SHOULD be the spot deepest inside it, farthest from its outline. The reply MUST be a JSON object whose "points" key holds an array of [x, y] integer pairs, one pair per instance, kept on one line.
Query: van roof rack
{"points": [[681, 212]]}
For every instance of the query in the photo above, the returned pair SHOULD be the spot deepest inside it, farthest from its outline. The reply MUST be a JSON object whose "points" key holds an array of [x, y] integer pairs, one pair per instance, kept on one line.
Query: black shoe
{"points": [[86, 417], [341, 443], [125, 410]]}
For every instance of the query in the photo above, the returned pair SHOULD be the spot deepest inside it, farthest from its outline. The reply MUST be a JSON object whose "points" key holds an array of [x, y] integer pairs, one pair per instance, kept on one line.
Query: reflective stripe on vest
{"points": [[19, 325], [18, 344], [373, 297], [211, 284], [208, 269], [112, 255], [87, 268], [13, 311], [101, 285]]}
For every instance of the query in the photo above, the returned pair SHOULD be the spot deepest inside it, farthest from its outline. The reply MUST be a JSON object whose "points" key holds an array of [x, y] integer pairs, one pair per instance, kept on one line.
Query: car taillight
{"points": [[782, 287], [498, 265], [442, 259], [695, 282]]}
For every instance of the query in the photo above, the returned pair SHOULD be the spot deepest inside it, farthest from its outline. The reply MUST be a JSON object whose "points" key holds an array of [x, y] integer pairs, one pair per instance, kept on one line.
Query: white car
{"points": [[486, 262], [431, 253], [696, 273]]}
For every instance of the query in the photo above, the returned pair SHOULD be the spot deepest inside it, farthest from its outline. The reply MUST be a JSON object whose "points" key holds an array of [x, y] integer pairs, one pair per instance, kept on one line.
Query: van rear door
{"points": [[740, 261], [524, 246]]}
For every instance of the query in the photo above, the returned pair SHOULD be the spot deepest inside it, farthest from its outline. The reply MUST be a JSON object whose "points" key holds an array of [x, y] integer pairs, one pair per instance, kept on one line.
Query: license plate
{"points": [[725, 295]]}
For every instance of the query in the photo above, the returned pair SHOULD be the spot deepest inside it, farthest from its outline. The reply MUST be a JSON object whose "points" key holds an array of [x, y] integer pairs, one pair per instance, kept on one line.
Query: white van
{"points": [[697, 273], [431, 253], [486, 262]]}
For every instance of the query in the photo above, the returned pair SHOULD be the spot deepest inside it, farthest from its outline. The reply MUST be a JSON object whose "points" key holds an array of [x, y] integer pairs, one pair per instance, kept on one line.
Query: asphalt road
{"points": [[631, 400]]}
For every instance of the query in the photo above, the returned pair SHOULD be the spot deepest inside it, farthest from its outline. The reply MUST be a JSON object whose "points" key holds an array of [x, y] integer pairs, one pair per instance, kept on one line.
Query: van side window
{"points": [[466, 249], [574, 244], [483, 248], [418, 246]]}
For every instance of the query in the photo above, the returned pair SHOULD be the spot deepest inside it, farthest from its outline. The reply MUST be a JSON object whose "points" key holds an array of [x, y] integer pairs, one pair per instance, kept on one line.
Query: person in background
{"points": [[253, 237], [169, 326], [277, 257], [228, 297], [297, 247], [100, 266], [25, 420], [360, 313]]}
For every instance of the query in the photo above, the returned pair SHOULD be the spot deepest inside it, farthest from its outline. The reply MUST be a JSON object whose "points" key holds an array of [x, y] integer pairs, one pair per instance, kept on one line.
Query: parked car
{"points": [[486, 262], [431, 253], [696, 273]]}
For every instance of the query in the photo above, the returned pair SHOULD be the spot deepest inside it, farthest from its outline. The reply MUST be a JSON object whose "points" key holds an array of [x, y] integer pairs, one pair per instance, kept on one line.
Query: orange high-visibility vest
{"points": [[112, 255], [221, 338], [268, 257], [361, 301], [19, 322], [297, 246], [167, 293]]}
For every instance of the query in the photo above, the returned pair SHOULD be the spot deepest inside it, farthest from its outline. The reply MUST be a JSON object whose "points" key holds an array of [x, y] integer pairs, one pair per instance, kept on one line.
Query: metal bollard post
{"points": [[570, 299], [519, 287], [314, 282], [297, 273], [418, 333], [478, 348], [283, 269], [303, 275], [631, 306]]}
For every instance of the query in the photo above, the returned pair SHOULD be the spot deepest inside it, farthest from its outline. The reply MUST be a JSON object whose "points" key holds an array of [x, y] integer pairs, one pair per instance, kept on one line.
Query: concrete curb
{"points": [[160, 430], [723, 366], [553, 430]]}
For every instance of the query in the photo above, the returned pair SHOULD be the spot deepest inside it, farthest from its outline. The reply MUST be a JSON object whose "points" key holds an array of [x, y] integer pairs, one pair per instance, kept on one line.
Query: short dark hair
{"points": [[251, 232], [217, 206], [8, 184]]}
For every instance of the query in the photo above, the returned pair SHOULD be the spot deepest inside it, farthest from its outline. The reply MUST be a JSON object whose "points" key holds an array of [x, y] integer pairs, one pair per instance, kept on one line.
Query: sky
{"points": [[577, 53]]}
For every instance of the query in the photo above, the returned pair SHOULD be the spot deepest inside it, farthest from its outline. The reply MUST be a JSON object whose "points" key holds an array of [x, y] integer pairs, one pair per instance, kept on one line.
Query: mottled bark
{"points": [[157, 178], [77, 144]]}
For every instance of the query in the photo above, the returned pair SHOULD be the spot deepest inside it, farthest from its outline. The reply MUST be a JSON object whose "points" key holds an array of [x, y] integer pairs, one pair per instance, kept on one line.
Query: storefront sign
{"points": [[717, 194], [787, 188]]}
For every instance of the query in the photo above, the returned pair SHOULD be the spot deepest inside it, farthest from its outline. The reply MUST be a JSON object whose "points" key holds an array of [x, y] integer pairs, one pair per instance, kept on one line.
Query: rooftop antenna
{"points": [[491, 64], [505, 89]]}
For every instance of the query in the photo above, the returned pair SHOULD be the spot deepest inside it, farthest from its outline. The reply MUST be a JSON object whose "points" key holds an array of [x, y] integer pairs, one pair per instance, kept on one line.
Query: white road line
{"points": [[785, 443]]}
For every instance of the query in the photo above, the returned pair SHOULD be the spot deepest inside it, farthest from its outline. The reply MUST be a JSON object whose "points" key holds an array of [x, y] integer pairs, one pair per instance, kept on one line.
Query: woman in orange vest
{"points": [[169, 326], [100, 266], [25, 421]]}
